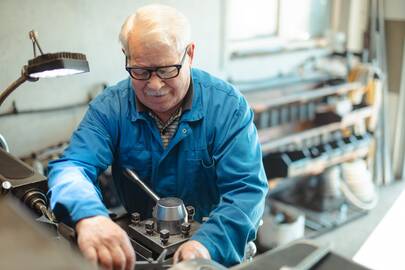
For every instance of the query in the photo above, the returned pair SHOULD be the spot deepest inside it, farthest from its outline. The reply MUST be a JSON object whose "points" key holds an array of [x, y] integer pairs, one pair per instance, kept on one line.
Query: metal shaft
{"points": [[135, 178]]}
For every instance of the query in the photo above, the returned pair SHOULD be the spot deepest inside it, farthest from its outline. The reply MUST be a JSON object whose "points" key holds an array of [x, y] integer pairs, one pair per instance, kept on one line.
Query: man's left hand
{"points": [[191, 250]]}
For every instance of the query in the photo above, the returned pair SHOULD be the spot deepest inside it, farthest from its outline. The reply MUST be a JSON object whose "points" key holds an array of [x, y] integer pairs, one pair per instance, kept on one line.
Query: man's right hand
{"points": [[104, 242]]}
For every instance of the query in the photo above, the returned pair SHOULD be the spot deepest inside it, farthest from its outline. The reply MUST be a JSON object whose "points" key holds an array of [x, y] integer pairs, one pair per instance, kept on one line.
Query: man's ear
{"points": [[190, 52]]}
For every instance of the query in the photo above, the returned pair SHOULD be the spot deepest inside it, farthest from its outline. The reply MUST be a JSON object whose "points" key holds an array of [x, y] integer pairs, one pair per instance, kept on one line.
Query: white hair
{"points": [[157, 23]]}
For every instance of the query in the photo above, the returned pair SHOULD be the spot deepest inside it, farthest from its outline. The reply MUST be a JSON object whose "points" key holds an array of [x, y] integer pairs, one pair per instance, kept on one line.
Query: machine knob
{"points": [[135, 218], [149, 226], [164, 236], [185, 229], [5, 187], [190, 213]]}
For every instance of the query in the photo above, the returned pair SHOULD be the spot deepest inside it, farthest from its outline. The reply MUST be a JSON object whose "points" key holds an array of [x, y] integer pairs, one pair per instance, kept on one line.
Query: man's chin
{"points": [[161, 110]]}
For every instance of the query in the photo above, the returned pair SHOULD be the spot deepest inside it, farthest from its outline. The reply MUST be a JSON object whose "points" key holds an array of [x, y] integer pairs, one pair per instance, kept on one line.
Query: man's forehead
{"points": [[151, 55], [143, 45]]}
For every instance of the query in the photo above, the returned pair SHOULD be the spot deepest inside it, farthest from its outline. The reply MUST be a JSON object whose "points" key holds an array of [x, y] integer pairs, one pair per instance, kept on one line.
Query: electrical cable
{"points": [[349, 195], [357, 185]]}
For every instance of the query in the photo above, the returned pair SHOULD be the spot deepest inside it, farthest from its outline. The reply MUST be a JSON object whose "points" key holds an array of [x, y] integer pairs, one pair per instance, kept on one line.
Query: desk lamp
{"points": [[47, 65], [16, 177]]}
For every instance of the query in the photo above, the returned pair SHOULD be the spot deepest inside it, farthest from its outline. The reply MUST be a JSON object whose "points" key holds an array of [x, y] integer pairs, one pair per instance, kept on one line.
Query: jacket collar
{"points": [[193, 107]]}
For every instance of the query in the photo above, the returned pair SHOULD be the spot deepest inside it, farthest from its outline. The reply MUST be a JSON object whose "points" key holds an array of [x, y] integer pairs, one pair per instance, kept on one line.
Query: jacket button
{"points": [[184, 131]]}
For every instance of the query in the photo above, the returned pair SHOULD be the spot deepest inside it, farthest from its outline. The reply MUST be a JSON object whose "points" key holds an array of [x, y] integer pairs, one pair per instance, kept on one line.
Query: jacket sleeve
{"points": [[73, 189], [242, 185]]}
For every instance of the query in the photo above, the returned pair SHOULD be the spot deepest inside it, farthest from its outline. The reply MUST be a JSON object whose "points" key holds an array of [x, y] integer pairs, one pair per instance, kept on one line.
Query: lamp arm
{"points": [[5, 93]]}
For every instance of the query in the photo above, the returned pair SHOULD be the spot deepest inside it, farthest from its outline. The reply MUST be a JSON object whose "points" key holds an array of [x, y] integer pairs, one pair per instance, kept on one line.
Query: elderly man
{"points": [[186, 133]]}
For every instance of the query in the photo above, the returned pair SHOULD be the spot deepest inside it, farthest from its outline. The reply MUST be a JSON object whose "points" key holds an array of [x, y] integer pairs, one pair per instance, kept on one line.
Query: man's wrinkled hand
{"points": [[191, 250], [104, 242]]}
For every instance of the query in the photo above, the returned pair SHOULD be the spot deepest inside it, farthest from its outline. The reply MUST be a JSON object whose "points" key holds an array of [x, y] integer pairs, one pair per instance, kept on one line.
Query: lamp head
{"points": [[56, 64]]}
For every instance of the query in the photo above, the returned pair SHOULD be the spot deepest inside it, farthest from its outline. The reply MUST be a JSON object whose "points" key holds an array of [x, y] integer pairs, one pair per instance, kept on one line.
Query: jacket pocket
{"points": [[200, 179], [200, 162]]}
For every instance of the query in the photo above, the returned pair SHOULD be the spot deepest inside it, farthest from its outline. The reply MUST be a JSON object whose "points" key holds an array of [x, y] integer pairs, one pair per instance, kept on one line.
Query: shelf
{"points": [[282, 83], [315, 159], [264, 100], [317, 166], [269, 143]]}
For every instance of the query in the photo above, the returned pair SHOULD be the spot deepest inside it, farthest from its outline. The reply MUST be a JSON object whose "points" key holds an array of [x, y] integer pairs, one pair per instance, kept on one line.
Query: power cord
{"points": [[357, 185]]}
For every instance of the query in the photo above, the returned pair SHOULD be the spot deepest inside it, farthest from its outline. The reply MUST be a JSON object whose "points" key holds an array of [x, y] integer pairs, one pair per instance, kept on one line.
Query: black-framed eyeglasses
{"points": [[163, 72]]}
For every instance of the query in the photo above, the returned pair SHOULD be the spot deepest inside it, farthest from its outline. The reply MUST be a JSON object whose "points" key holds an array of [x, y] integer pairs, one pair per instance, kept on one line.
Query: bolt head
{"points": [[190, 210], [164, 234], [6, 185], [185, 228], [149, 224], [135, 217]]}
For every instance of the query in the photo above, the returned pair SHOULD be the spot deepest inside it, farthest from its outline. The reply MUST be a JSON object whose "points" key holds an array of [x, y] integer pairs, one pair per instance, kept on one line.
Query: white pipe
{"points": [[399, 139]]}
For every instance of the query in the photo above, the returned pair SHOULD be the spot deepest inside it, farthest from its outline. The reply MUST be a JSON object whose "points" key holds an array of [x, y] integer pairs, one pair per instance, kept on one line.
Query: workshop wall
{"points": [[92, 27], [89, 27]]}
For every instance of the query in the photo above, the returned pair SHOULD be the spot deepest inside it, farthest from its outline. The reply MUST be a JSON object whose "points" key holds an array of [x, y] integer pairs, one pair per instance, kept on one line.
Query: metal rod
{"points": [[378, 155], [387, 165], [399, 143], [3, 144], [135, 178], [33, 37]]}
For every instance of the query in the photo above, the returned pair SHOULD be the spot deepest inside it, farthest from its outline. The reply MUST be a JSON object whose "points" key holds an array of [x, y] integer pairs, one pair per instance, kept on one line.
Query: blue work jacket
{"points": [[213, 162]]}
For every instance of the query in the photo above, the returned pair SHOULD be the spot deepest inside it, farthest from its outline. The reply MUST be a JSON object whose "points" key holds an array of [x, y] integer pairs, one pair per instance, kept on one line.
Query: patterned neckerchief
{"points": [[168, 128]]}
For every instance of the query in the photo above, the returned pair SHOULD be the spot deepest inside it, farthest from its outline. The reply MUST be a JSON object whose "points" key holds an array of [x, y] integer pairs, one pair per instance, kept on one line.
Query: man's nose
{"points": [[155, 82]]}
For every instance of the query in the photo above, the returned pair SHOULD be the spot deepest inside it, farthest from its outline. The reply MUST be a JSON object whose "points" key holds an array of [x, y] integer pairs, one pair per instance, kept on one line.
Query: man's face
{"points": [[162, 96]]}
